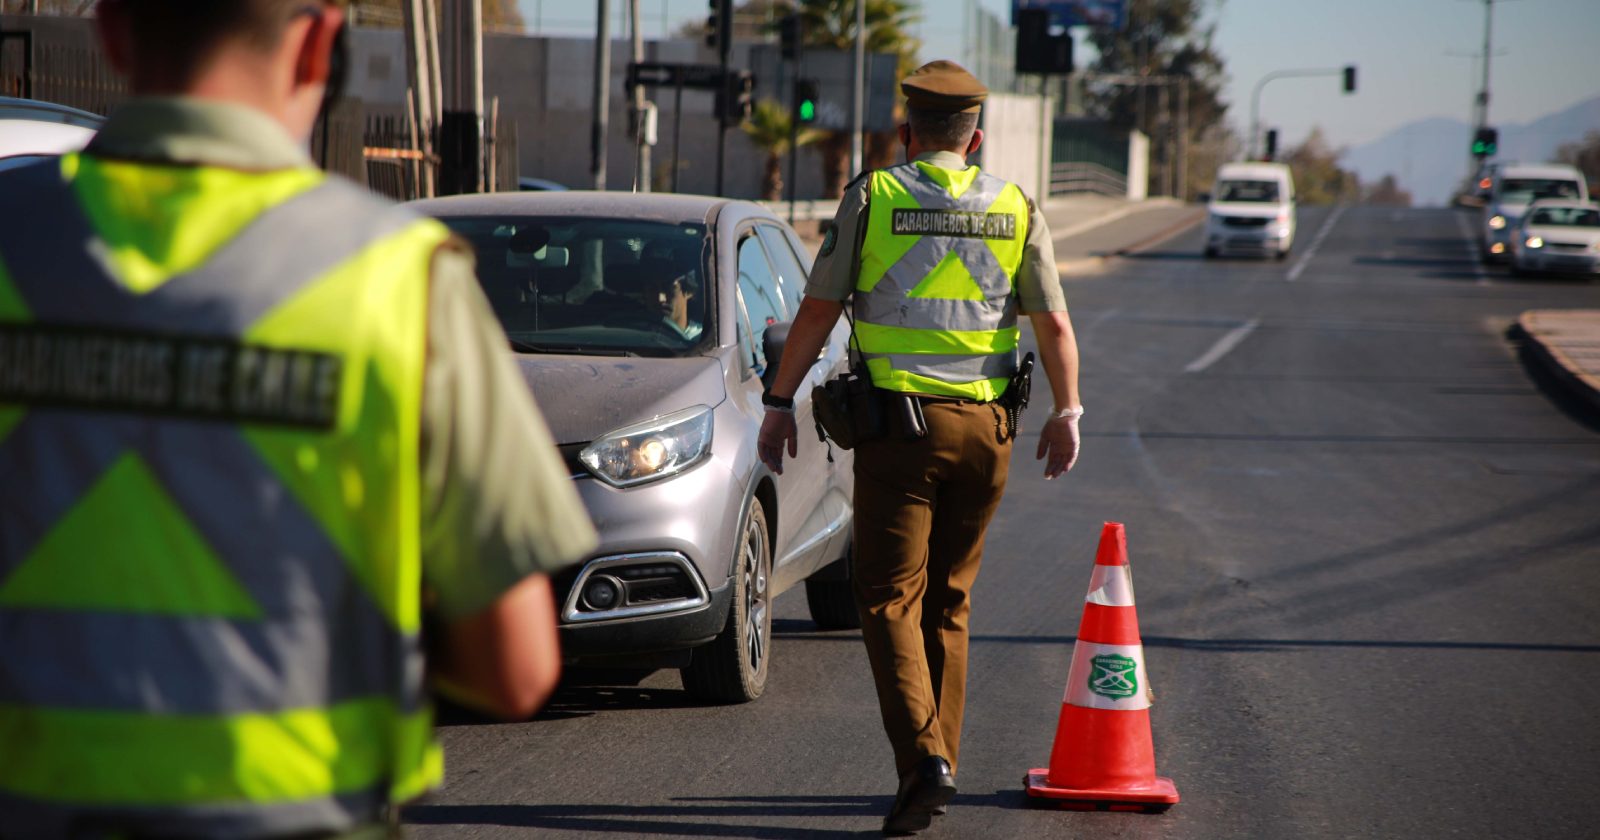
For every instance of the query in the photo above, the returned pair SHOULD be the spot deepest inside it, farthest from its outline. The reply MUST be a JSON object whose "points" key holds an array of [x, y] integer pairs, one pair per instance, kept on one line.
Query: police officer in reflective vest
{"points": [[255, 424], [938, 257]]}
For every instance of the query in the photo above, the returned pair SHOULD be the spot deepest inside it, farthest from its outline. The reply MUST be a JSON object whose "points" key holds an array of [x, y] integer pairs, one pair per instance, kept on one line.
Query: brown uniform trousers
{"points": [[921, 509]]}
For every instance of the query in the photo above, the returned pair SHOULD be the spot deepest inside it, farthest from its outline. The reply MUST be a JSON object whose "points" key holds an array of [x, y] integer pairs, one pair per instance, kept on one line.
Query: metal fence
{"points": [[1087, 178], [57, 59]]}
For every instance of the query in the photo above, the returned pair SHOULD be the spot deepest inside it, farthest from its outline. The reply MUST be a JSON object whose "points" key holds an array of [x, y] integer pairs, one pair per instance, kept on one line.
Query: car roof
{"points": [[1539, 170], [1252, 170], [657, 207], [34, 110]]}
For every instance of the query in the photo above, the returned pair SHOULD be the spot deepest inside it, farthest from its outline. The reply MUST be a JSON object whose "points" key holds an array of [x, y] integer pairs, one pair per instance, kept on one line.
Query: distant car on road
{"points": [[30, 130], [1558, 236], [1515, 187], [1251, 210], [646, 326]]}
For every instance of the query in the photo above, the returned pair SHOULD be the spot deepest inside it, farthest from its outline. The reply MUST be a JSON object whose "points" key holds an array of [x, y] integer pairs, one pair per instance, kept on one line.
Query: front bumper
{"points": [[1267, 239], [1547, 259]]}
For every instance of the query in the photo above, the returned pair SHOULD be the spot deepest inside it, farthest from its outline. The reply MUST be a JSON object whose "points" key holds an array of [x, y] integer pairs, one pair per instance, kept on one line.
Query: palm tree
{"points": [[831, 24], [768, 127]]}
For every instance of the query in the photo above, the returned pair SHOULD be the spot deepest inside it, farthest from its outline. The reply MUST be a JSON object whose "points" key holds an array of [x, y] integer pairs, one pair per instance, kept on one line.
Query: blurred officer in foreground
{"points": [[938, 256], [255, 424]]}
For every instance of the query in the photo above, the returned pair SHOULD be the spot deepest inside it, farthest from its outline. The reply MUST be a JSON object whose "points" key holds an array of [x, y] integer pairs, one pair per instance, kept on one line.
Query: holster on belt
{"points": [[1015, 399], [848, 409]]}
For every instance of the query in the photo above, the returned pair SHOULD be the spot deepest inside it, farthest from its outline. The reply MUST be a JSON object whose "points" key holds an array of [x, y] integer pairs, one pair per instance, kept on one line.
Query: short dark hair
{"points": [[189, 30], [942, 129]]}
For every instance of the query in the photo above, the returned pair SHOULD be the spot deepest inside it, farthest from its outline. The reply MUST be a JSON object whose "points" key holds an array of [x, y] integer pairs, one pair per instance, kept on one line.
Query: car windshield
{"points": [[1566, 217], [593, 286], [1526, 190], [1247, 191]]}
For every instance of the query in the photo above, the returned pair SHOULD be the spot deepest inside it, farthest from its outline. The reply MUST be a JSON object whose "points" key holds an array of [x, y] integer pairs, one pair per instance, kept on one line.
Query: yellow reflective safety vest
{"points": [[935, 312], [209, 512]]}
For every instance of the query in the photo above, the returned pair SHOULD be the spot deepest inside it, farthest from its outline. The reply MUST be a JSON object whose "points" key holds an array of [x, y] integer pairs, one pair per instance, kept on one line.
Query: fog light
{"points": [[602, 593], [1497, 248]]}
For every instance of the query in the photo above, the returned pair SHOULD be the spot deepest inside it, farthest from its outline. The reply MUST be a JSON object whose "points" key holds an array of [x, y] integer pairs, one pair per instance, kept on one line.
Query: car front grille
{"points": [[1245, 221], [1576, 247]]}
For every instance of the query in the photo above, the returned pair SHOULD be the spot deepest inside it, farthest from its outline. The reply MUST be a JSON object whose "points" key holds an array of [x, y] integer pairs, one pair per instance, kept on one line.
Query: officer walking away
{"points": [[938, 258], [255, 426]]}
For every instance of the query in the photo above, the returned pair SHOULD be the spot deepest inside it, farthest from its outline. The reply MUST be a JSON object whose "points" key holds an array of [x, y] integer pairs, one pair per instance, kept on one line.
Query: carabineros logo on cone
{"points": [[1114, 675]]}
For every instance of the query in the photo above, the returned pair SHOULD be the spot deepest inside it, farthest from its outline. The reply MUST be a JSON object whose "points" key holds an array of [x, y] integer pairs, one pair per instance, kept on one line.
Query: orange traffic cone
{"points": [[1102, 758]]}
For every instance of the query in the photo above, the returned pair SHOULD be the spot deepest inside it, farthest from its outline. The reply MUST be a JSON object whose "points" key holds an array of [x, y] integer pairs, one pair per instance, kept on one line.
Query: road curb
{"points": [[1566, 343]]}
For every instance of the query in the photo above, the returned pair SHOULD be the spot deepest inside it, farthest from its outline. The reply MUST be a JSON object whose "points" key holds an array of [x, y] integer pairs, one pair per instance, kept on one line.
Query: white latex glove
{"points": [[1058, 445]]}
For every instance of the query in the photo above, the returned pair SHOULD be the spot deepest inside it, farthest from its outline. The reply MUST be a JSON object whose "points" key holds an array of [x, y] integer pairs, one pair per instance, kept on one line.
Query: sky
{"points": [[1415, 58]]}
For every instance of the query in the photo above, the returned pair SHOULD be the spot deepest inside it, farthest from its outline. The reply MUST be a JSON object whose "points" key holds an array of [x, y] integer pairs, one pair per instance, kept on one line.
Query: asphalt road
{"points": [[1365, 542]]}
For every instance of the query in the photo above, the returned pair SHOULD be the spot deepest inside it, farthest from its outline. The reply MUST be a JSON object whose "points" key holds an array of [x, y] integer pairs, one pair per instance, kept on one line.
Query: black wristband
{"points": [[769, 399]]}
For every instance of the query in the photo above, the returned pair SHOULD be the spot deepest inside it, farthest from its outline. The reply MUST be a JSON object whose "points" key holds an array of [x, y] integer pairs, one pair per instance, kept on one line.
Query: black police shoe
{"points": [[926, 789]]}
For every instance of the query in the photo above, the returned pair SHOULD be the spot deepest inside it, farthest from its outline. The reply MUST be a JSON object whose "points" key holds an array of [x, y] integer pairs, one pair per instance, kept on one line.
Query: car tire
{"points": [[1281, 255], [1210, 253], [732, 668], [832, 603]]}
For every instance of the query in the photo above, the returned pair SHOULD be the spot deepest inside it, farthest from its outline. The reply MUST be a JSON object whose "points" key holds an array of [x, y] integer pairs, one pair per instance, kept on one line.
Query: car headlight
{"points": [[1282, 217], [665, 446], [1496, 222], [1534, 242]]}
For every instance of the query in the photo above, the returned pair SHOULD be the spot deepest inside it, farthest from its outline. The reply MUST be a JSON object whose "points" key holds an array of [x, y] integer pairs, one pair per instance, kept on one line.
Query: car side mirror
{"points": [[1205, 198], [772, 342]]}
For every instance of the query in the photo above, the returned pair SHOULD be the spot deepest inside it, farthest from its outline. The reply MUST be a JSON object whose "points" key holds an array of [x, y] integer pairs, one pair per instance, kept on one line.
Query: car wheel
{"points": [[732, 668], [1211, 253], [833, 603], [1281, 255]]}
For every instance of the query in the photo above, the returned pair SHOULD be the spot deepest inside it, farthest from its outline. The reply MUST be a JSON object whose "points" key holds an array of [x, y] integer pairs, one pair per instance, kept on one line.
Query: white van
{"points": [[1251, 210], [1515, 187]]}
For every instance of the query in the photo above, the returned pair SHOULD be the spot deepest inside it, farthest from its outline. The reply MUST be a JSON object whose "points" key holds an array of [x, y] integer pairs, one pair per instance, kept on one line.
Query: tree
{"points": [[768, 127], [1584, 154], [1162, 38], [1318, 178], [831, 24], [1386, 193]]}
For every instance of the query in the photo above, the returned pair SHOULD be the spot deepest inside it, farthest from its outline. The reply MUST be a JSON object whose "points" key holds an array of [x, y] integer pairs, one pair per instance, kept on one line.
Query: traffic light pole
{"points": [[794, 125], [602, 94], [1255, 98], [724, 47]]}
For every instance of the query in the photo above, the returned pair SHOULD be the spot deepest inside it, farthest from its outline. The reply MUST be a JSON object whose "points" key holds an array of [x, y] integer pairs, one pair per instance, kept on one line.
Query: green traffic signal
{"points": [[808, 111]]}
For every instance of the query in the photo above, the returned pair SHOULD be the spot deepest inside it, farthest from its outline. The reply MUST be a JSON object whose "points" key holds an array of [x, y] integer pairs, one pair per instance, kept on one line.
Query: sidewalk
{"points": [[1567, 343], [1089, 230]]}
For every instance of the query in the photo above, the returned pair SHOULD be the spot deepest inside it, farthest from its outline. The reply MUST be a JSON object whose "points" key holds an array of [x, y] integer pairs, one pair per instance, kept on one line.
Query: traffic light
{"points": [[1272, 145], [1485, 142], [719, 25], [736, 99], [789, 34], [805, 100], [1037, 50], [1349, 78]]}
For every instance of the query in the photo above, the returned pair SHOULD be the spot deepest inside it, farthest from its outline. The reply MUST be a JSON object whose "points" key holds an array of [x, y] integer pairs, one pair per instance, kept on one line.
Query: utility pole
{"points": [[641, 163], [602, 94], [461, 145], [857, 91], [1483, 92], [419, 78]]}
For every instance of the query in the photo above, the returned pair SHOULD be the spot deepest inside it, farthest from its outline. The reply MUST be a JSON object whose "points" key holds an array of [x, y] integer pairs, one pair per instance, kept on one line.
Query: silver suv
{"points": [[645, 326]]}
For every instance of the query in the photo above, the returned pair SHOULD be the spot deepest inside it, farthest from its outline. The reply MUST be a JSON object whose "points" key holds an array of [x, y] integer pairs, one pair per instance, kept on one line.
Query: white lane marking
{"points": [[1223, 347], [1472, 250], [1327, 227]]}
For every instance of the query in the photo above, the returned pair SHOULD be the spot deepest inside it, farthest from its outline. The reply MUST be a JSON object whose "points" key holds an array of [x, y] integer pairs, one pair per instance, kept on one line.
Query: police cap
{"points": [[943, 86]]}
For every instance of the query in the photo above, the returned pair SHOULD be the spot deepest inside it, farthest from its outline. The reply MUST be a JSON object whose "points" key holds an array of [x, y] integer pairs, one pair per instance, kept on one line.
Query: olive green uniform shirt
{"points": [[833, 277], [497, 501]]}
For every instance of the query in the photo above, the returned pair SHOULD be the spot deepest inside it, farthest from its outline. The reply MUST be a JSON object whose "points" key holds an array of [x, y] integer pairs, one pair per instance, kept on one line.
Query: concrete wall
{"points": [[1016, 141]]}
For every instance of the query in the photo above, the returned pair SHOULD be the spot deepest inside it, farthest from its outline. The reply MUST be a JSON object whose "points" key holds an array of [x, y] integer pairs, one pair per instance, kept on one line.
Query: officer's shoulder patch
{"points": [[829, 240]]}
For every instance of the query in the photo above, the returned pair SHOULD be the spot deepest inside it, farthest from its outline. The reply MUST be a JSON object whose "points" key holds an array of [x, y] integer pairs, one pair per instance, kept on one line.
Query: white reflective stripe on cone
{"points": [[1108, 677], [1111, 586]]}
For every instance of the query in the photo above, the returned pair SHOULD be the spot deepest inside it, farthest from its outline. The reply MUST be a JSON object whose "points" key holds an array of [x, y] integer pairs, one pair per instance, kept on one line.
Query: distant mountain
{"points": [[1429, 157]]}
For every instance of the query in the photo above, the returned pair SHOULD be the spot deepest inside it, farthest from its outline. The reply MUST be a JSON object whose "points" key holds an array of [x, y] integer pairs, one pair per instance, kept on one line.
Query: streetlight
{"points": [[1348, 72]]}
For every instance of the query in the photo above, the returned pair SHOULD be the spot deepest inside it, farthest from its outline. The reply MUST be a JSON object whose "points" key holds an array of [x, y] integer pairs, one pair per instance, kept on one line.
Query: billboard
{"points": [[1101, 14]]}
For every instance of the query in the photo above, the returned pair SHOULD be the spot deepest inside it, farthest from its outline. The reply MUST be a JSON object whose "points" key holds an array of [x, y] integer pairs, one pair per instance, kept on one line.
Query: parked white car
{"points": [[1251, 210], [1558, 236], [30, 129], [1516, 187]]}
